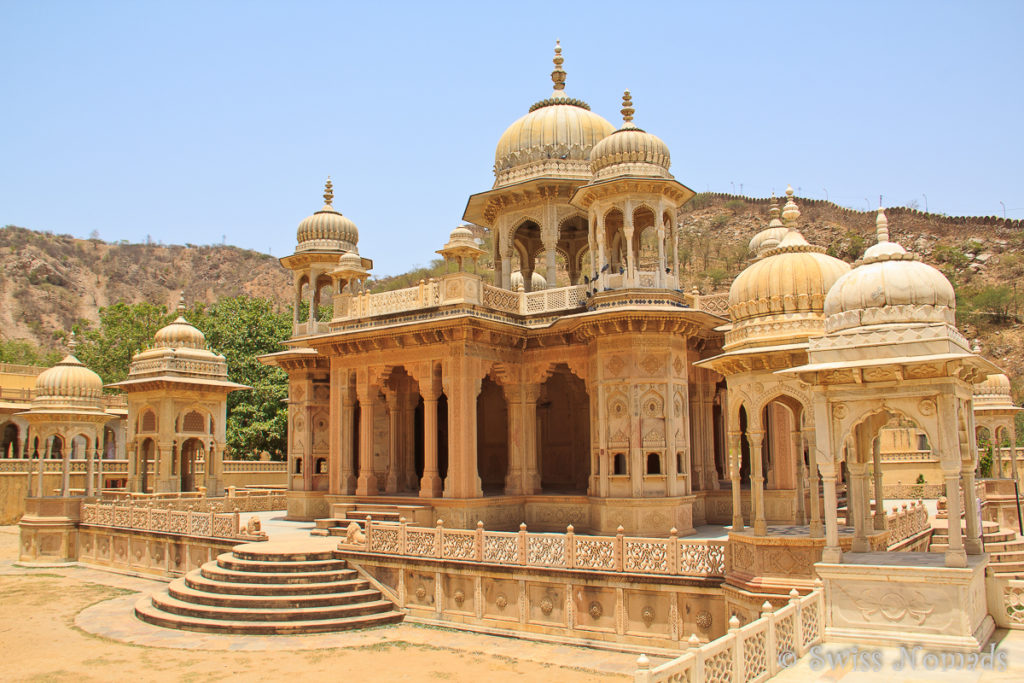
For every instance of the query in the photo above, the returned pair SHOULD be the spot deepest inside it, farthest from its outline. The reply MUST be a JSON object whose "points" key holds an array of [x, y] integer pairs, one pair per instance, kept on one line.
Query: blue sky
{"points": [[210, 121]]}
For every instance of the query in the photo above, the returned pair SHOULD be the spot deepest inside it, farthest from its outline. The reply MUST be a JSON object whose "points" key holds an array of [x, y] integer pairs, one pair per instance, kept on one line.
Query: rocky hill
{"points": [[49, 281]]}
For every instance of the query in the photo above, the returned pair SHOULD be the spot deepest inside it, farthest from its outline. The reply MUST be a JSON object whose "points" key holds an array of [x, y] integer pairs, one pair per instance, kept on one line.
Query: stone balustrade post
{"points": [[439, 549], [738, 663], [620, 548], [673, 551], [768, 614], [478, 542], [570, 550], [521, 554]]}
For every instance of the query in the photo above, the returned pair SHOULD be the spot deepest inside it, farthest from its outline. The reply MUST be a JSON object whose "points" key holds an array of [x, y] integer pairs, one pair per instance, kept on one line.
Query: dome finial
{"points": [[882, 226], [181, 303], [72, 343], [558, 75], [790, 212], [627, 109], [328, 192]]}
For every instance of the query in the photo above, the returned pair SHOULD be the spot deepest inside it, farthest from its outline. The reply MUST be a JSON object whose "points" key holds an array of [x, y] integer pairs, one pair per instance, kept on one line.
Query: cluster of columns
{"points": [[598, 238], [997, 430], [165, 475], [800, 440], [93, 467]]}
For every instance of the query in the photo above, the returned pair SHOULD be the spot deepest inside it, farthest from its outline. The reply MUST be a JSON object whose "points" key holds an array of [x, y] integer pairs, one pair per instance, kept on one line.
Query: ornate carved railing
{"points": [[716, 304], [26, 395], [549, 300], [750, 653], [236, 466], [235, 501], [55, 464], [670, 556], [906, 521], [166, 520]]}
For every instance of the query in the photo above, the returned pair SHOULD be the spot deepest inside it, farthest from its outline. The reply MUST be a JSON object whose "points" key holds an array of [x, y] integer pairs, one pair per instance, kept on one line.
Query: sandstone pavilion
{"points": [[576, 448]]}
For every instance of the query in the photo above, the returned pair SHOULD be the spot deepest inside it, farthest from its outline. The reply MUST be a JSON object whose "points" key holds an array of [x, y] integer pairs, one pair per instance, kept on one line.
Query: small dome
{"points": [[538, 281], [554, 139], [350, 260], [994, 385], [630, 150], [327, 229], [69, 384], [890, 286], [776, 296], [180, 333], [770, 237]]}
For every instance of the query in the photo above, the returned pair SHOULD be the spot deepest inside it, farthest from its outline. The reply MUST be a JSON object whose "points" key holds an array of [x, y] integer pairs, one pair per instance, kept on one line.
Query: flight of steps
{"points": [[1006, 550], [337, 524], [269, 588]]}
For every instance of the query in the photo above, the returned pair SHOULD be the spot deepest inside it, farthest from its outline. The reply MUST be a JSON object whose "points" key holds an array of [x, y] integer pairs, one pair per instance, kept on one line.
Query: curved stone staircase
{"points": [[269, 588]]}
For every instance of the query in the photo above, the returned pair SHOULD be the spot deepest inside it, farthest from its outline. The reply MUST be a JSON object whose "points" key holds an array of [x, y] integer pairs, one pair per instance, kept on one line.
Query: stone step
{"points": [[329, 522], [1004, 574], [180, 590], [211, 571], [377, 515], [231, 561], [197, 581], [1007, 555], [148, 612], [260, 552], [166, 603], [1015, 567]]}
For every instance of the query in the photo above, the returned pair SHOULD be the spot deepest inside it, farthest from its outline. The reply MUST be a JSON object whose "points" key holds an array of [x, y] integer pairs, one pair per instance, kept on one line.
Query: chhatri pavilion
{"points": [[528, 449]]}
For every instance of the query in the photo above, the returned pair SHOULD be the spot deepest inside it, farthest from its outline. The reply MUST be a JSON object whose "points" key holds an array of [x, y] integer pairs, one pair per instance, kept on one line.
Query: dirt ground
{"points": [[39, 641]]}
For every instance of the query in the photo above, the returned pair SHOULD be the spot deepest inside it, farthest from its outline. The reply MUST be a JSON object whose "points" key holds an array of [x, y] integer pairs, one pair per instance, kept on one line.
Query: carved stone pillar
{"points": [[463, 480], [876, 460], [756, 440], [430, 483], [335, 410], [65, 469], [858, 501], [366, 483], [972, 543], [816, 528], [549, 235], [735, 458], [801, 474], [832, 552], [347, 471], [394, 441], [956, 556], [516, 436]]}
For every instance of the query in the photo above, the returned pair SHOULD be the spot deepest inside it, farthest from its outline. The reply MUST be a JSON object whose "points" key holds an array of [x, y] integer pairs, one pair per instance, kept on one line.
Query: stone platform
{"points": [[895, 599]]}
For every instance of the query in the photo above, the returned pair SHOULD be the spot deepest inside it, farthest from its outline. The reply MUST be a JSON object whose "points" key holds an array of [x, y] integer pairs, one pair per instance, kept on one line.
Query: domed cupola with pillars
{"points": [[323, 241], [631, 192], [540, 161]]}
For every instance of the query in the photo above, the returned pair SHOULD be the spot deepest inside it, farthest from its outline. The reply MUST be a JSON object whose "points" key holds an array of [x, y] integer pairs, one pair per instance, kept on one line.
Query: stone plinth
{"points": [[893, 599], [782, 560], [49, 530]]}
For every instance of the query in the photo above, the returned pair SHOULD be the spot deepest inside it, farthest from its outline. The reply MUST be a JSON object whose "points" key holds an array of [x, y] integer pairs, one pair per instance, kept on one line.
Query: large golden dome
{"points": [[630, 150], [69, 385], [890, 286], [327, 229], [554, 139], [781, 297]]}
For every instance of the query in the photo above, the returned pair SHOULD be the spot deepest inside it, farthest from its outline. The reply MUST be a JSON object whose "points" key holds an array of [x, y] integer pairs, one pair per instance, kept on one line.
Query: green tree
{"points": [[240, 329], [22, 352]]}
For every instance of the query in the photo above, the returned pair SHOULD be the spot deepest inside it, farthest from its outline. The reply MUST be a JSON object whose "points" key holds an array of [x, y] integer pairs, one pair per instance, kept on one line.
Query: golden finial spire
{"points": [[328, 192], [181, 303], [72, 343], [882, 226], [558, 75], [790, 212], [627, 110]]}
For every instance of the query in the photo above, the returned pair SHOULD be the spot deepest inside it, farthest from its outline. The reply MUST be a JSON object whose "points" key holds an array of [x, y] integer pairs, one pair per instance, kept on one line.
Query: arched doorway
{"points": [[192, 451], [56, 447], [10, 446], [563, 423], [491, 436]]}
